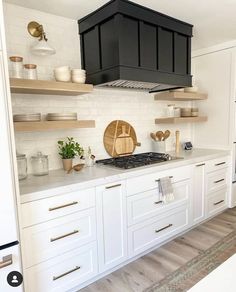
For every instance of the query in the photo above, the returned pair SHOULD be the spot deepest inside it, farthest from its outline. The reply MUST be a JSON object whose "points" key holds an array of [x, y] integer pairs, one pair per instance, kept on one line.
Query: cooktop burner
{"points": [[136, 160]]}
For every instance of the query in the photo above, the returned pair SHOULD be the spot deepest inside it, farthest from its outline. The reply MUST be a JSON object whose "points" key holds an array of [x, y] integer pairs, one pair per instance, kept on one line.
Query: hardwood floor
{"points": [[151, 268]]}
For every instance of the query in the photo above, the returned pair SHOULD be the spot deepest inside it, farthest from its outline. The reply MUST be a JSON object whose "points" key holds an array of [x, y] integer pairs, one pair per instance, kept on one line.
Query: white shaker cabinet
{"points": [[212, 73], [198, 193], [111, 225]]}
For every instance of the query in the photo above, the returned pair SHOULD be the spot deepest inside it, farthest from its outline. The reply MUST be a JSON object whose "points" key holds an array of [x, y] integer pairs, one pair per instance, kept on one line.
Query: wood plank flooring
{"points": [[151, 268]]}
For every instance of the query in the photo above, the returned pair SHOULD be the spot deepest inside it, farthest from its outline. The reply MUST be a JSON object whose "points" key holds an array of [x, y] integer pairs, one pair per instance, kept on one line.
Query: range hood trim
{"points": [[123, 7]]}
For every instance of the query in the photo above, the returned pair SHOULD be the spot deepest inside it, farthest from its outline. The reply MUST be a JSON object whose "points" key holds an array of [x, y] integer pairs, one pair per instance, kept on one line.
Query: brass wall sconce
{"points": [[42, 47]]}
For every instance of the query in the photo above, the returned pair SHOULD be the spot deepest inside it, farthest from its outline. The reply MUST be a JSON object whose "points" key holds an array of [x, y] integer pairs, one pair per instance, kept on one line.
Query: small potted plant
{"points": [[68, 150]]}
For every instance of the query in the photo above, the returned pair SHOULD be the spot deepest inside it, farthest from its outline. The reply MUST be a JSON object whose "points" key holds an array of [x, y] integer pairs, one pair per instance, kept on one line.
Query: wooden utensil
{"points": [[153, 136], [120, 138], [76, 167], [159, 135], [166, 135]]}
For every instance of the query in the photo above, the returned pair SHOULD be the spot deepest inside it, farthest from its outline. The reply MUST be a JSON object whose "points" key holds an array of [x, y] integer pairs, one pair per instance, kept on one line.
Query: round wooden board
{"points": [[119, 138]]}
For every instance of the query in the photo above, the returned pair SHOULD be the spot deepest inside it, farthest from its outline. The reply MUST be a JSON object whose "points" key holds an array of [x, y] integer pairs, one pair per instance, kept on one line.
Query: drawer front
{"points": [[216, 180], [216, 164], [217, 202], [148, 204], [46, 240], [150, 181], [63, 272], [55, 207], [151, 232]]}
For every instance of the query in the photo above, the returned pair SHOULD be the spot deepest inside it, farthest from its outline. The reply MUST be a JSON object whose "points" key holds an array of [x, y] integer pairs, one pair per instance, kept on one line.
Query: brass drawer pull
{"points": [[220, 180], [6, 261], [114, 186], [63, 206], [202, 164], [158, 202], [221, 163], [66, 273], [159, 230], [157, 180], [217, 203], [65, 235]]}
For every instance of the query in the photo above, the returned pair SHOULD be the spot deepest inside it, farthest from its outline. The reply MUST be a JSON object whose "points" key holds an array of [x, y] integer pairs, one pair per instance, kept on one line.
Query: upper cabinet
{"points": [[126, 41]]}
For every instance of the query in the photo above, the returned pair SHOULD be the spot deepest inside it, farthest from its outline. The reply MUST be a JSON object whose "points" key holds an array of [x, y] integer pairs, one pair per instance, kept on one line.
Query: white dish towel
{"points": [[166, 189]]}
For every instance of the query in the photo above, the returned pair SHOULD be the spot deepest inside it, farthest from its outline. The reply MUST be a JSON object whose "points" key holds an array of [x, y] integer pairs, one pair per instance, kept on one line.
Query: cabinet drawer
{"points": [[46, 240], [54, 207], [217, 202], [63, 272], [217, 163], [151, 232], [148, 204], [216, 180], [150, 181]]}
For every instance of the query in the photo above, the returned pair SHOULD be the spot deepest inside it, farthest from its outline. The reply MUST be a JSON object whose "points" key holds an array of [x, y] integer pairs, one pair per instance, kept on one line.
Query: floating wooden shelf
{"points": [[55, 125], [180, 120], [180, 96], [48, 87]]}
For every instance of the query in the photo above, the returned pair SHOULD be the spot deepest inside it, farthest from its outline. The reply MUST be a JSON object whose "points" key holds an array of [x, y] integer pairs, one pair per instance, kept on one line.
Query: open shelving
{"points": [[180, 120], [52, 125], [180, 96], [48, 87]]}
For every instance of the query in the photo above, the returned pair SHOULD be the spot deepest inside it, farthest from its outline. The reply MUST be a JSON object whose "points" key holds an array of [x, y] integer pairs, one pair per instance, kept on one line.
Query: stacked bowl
{"points": [[78, 75], [62, 74]]}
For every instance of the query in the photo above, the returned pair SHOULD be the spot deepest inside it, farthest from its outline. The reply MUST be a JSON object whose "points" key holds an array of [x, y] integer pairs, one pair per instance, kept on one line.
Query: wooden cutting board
{"points": [[120, 139]]}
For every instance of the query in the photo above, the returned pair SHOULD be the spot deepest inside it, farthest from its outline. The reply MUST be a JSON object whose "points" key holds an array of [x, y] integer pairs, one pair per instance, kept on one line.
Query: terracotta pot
{"points": [[67, 164]]}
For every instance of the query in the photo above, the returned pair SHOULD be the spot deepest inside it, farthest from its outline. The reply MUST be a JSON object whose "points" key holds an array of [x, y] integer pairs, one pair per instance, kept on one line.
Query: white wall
{"points": [[103, 105]]}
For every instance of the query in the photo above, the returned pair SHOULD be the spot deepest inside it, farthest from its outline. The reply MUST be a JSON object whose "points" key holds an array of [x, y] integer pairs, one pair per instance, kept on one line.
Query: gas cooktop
{"points": [[136, 160]]}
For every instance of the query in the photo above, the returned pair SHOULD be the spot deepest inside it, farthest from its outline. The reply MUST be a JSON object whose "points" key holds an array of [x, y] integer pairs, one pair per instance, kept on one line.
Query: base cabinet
{"points": [[63, 272], [111, 225], [198, 201], [154, 231]]}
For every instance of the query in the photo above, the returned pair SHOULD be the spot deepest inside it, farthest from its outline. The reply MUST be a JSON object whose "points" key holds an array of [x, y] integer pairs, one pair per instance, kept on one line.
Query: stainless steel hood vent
{"points": [[130, 46], [130, 84]]}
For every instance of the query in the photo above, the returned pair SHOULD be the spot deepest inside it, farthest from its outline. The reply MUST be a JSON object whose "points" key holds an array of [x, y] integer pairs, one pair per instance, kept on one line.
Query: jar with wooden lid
{"points": [[16, 67], [30, 71]]}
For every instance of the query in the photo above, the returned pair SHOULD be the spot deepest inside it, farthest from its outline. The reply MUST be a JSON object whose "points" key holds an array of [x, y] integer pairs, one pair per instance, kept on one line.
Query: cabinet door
{"points": [[212, 73], [111, 225], [198, 192]]}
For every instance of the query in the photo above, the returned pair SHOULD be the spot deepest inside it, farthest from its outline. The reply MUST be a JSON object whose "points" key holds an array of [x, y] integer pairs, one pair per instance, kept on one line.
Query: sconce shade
{"points": [[42, 48]]}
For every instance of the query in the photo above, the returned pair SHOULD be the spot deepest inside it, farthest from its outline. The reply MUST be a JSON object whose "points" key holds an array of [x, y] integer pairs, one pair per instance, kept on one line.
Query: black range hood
{"points": [[127, 45]]}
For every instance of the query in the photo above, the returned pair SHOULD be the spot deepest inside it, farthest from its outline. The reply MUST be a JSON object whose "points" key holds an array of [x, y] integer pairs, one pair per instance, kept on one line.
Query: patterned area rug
{"points": [[193, 271]]}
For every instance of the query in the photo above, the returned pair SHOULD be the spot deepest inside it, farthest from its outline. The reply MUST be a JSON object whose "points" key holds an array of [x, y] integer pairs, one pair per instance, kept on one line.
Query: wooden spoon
{"points": [[166, 135], [159, 135], [153, 136]]}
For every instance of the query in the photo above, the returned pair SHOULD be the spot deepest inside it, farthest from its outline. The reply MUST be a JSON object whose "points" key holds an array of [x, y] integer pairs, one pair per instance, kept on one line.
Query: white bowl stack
{"points": [[62, 74], [78, 75]]}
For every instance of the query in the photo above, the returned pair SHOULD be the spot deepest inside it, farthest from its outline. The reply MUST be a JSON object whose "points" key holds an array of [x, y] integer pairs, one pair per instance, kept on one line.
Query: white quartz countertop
{"points": [[59, 182]]}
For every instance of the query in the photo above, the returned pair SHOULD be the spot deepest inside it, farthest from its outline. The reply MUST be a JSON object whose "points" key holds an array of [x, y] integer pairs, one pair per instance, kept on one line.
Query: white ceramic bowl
{"points": [[62, 69], [78, 71], [64, 77], [78, 75], [76, 79]]}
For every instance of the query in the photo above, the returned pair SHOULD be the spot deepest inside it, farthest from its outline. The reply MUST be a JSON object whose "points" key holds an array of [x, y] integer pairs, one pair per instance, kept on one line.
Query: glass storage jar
{"points": [[16, 68], [30, 71], [21, 166], [39, 164]]}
